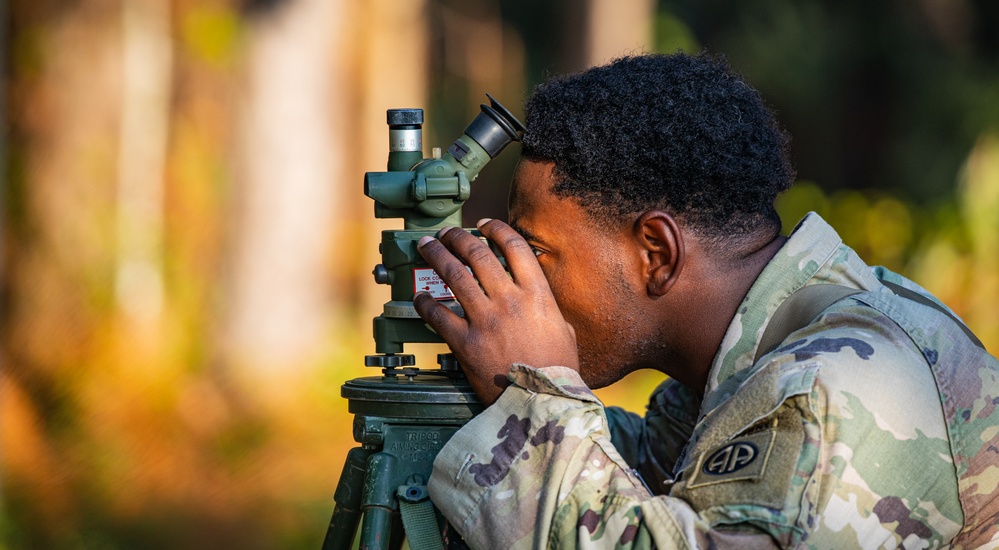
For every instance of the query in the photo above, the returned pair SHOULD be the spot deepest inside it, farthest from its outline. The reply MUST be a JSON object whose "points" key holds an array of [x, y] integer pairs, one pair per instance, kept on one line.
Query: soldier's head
{"points": [[678, 136]]}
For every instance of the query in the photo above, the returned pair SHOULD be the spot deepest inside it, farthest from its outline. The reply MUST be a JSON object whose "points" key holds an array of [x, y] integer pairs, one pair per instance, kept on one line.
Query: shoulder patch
{"points": [[754, 467]]}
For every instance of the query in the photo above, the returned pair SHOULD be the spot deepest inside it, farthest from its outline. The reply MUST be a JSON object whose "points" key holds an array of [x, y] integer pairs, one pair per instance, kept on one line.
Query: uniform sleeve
{"points": [[652, 444], [537, 469]]}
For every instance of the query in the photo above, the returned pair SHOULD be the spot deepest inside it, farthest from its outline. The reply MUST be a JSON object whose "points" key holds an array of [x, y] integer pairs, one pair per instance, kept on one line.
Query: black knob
{"points": [[448, 362], [389, 361], [404, 117], [382, 275]]}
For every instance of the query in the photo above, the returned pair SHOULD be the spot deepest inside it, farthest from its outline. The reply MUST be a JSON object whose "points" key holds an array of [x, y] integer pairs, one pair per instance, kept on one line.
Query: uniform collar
{"points": [[811, 245]]}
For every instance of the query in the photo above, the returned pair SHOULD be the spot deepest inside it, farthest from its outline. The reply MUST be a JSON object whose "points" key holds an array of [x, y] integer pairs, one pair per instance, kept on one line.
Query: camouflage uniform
{"points": [[874, 426]]}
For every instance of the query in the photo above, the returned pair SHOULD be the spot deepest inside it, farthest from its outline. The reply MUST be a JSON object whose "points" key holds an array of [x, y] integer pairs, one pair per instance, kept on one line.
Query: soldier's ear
{"points": [[661, 243]]}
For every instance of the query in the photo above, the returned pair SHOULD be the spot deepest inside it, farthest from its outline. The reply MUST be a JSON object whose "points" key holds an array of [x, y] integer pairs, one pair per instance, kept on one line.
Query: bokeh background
{"points": [[186, 251]]}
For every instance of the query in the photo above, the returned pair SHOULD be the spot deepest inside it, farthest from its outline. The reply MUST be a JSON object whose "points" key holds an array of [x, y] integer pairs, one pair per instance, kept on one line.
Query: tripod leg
{"points": [[349, 490], [378, 503], [376, 528]]}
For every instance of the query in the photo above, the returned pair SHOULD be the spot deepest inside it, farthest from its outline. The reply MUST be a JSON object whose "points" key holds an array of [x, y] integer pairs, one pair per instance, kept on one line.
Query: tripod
{"points": [[402, 419]]}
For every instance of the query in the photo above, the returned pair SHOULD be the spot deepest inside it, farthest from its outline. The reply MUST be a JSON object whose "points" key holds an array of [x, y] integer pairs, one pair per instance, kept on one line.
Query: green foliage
{"points": [[879, 226], [886, 95], [948, 247], [211, 34], [671, 34]]}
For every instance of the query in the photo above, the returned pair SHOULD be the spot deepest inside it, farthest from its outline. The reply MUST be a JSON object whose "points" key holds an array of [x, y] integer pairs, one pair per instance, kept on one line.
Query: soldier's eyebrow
{"points": [[528, 236]]}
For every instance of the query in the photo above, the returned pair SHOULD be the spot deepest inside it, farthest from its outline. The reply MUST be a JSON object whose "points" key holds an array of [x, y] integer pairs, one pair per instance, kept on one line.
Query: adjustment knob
{"points": [[382, 275], [448, 362], [390, 361]]}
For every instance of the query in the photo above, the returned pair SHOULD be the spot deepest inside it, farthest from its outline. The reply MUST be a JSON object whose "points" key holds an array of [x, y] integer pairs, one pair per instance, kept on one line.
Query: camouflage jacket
{"points": [[874, 426]]}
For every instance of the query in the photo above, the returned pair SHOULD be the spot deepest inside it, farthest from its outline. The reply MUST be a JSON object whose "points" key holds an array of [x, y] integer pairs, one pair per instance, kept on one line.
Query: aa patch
{"points": [[744, 458], [753, 467]]}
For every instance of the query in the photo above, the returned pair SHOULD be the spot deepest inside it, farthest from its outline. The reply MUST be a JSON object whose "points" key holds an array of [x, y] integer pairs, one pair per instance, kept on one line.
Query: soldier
{"points": [[643, 235]]}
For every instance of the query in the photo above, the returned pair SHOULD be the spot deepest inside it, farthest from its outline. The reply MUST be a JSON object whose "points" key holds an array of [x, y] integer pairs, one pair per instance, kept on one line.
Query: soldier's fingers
{"points": [[464, 286], [485, 265], [447, 323], [519, 255]]}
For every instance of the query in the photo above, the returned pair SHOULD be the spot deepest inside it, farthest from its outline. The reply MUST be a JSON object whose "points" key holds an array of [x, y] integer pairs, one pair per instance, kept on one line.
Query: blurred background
{"points": [[186, 250]]}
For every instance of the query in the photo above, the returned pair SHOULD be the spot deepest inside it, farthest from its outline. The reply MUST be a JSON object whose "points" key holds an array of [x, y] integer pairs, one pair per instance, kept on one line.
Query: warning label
{"points": [[426, 279]]}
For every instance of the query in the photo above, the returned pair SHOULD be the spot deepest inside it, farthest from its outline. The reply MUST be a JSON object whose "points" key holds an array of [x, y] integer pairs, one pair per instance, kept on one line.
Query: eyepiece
{"points": [[494, 128], [506, 114]]}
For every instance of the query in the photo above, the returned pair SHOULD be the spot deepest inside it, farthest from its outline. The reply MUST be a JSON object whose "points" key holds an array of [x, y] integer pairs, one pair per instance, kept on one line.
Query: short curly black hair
{"points": [[681, 133]]}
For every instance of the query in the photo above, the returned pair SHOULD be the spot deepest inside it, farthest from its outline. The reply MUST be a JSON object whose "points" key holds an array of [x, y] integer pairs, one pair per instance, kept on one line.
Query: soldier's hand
{"points": [[509, 319]]}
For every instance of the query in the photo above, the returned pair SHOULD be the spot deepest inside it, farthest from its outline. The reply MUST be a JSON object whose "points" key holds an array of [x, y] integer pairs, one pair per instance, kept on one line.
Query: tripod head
{"points": [[428, 195]]}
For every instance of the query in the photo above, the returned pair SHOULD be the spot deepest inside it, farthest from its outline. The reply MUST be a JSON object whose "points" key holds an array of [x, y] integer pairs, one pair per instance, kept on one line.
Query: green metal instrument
{"points": [[403, 417]]}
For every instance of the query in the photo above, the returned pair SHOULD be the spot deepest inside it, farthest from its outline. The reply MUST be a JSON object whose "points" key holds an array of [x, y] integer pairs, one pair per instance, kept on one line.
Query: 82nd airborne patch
{"points": [[742, 459]]}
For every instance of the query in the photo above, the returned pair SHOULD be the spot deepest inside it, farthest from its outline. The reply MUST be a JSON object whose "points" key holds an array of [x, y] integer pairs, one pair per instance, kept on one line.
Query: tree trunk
{"points": [[289, 176], [618, 28], [145, 119]]}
